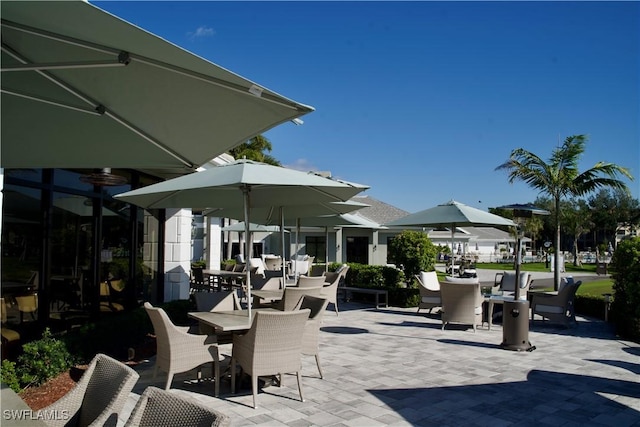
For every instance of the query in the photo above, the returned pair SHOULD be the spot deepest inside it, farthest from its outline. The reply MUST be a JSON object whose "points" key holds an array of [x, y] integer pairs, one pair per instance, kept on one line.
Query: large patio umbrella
{"points": [[245, 184], [82, 88], [452, 215]]}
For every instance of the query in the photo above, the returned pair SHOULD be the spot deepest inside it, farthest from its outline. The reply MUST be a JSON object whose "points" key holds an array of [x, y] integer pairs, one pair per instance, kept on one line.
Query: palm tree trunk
{"points": [[556, 258]]}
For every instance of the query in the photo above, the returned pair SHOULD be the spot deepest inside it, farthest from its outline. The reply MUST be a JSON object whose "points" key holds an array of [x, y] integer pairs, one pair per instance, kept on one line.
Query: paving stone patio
{"points": [[393, 367]]}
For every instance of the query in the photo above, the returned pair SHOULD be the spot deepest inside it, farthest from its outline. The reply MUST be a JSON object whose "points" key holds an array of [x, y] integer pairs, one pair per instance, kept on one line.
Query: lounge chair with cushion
{"points": [[98, 397], [179, 351], [160, 408], [273, 346], [506, 282], [429, 288], [461, 302], [556, 306]]}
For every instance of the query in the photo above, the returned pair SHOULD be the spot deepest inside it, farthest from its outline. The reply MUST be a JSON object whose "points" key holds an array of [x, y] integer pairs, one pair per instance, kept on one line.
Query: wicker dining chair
{"points": [[311, 336], [461, 302], [160, 408], [99, 396], [273, 346], [292, 296], [310, 281], [179, 351]]}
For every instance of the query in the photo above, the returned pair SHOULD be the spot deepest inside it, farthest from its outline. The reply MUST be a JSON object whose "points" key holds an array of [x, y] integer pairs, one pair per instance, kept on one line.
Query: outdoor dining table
{"points": [[226, 276], [226, 321]]}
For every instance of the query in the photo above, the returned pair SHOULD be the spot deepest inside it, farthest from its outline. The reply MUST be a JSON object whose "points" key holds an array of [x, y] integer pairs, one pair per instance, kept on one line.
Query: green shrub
{"points": [[414, 251], [404, 297], [590, 305], [42, 360], [373, 276], [9, 375], [625, 309], [199, 264]]}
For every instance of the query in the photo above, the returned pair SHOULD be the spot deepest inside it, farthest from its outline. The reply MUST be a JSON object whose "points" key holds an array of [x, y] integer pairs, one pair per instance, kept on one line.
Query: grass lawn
{"points": [[536, 266], [594, 288]]}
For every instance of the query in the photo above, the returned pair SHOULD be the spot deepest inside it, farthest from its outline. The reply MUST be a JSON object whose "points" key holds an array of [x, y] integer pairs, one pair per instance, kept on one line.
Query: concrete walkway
{"points": [[398, 368]]}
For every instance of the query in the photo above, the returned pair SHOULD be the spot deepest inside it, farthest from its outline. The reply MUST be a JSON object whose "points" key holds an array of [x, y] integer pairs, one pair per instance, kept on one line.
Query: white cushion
{"points": [[478, 310], [542, 308], [463, 280], [430, 280]]}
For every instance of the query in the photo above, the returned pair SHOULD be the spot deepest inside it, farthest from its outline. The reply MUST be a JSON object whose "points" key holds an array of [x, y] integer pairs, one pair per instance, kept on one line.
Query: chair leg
{"points": [[169, 380], [299, 375], [215, 368], [254, 389], [318, 363], [233, 375], [280, 379]]}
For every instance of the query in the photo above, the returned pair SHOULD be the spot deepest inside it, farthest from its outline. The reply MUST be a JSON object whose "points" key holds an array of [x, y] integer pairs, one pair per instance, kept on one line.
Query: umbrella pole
{"points": [[283, 265], [247, 242], [326, 249]]}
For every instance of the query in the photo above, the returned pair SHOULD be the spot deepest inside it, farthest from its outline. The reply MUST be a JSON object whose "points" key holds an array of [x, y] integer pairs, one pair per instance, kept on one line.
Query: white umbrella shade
{"points": [[451, 214], [243, 184], [82, 88]]}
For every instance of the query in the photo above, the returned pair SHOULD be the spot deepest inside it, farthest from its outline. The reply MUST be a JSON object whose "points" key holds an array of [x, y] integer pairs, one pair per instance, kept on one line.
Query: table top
{"points": [[268, 293], [224, 273]]}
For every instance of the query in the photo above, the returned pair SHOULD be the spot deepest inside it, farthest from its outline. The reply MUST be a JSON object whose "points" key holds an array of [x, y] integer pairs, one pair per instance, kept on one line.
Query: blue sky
{"points": [[423, 100]]}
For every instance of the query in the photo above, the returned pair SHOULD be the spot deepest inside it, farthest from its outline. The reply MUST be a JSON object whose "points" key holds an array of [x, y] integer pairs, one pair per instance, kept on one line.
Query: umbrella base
{"points": [[515, 326]]}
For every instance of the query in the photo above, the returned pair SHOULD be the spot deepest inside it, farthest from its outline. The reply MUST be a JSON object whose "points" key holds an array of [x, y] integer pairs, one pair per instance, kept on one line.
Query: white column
{"points": [[177, 254], [213, 243], [339, 246]]}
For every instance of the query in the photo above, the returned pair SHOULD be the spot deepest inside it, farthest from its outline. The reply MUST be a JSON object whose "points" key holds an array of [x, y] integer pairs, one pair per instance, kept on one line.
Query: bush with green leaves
{"points": [[414, 251], [42, 360], [9, 375], [625, 271]]}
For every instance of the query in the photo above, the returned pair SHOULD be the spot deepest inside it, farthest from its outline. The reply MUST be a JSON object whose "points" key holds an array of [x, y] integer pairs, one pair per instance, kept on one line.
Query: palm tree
{"points": [[561, 178], [257, 148]]}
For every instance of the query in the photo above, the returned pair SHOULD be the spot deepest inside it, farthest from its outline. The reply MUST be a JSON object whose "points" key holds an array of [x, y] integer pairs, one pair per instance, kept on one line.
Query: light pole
{"points": [[515, 319]]}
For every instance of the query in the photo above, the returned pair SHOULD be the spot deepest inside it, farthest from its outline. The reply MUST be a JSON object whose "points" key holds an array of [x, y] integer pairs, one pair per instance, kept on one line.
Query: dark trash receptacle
{"points": [[601, 268]]}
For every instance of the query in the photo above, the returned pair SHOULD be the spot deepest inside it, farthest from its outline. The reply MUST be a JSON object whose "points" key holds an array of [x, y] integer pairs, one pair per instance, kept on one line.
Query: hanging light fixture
{"points": [[103, 178]]}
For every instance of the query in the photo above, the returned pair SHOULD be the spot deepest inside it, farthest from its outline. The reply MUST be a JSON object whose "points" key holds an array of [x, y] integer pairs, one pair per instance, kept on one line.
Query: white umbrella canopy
{"points": [[243, 184], [451, 214], [254, 228], [82, 88]]}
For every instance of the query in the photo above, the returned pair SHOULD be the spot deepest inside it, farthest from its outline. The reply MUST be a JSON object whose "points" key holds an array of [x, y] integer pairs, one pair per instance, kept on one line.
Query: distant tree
{"points": [[560, 178], [576, 218], [257, 148]]}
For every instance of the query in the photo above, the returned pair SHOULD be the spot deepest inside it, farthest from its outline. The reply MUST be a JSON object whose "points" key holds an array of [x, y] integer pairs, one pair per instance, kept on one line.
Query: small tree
{"points": [[625, 309], [414, 251]]}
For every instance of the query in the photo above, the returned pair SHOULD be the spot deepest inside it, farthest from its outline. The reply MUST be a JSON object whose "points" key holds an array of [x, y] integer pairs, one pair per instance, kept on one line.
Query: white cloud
{"points": [[202, 32], [302, 165]]}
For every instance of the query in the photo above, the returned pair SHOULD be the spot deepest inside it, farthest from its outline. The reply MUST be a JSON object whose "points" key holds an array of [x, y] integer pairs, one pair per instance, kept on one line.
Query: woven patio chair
{"points": [[335, 280], [310, 281], [311, 336], [160, 408], [461, 302], [98, 397], [556, 306], [273, 346], [292, 296], [429, 288], [179, 351], [273, 264], [506, 282]]}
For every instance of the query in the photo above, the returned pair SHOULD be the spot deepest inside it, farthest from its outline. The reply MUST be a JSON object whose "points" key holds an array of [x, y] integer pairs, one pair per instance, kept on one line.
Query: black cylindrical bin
{"points": [[515, 326]]}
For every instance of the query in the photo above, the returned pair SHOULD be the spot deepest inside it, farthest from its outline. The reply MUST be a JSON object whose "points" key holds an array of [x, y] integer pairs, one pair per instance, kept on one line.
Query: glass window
{"points": [[316, 246]]}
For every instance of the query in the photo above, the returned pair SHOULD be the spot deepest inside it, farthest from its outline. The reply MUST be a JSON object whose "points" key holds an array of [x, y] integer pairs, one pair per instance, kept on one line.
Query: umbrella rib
{"points": [[50, 102], [253, 90]]}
